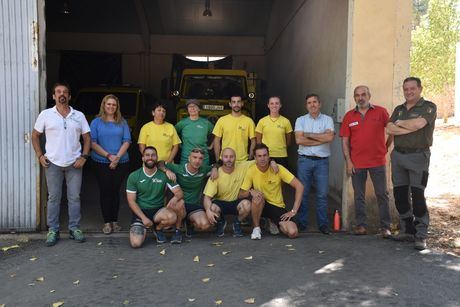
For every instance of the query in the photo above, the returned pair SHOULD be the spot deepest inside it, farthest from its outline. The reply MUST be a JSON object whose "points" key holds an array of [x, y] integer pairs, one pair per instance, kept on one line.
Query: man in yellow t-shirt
{"points": [[267, 197], [160, 134], [221, 194], [233, 131], [275, 131]]}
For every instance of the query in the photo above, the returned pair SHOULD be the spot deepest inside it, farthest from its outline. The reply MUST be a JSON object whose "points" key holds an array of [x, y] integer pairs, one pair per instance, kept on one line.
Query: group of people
{"points": [[252, 164]]}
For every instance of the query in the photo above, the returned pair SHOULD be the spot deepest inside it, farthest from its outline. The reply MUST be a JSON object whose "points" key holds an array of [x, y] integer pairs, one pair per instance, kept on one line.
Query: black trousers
{"points": [[109, 182]]}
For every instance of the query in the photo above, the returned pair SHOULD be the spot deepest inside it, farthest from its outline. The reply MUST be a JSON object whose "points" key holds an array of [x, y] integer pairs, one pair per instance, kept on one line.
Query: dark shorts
{"points": [[150, 213], [228, 207], [192, 208], [273, 212], [283, 161]]}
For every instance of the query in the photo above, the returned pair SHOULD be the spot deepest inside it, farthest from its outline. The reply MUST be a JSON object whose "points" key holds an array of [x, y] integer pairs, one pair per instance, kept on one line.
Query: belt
{"points": [[411, 150], [313, 157]]}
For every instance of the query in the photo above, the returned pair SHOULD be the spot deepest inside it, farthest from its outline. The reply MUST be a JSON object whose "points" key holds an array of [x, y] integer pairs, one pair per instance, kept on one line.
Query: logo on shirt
{"points": [[155, 180], [199, 126], [165, 134], [142, 181], [241, 128], [353, 124]]}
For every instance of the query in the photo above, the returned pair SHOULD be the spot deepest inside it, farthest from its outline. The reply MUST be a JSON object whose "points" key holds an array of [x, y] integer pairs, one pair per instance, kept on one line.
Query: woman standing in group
{"points": [[110, 140], [160, 134], [275, 131], [194, 131]]}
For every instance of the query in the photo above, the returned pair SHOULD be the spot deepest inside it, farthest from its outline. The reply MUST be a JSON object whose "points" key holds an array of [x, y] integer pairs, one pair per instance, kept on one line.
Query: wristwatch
{"points": [[85, 157]]}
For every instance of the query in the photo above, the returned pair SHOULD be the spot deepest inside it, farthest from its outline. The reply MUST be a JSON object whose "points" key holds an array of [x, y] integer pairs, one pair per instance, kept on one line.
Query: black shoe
{"points": [[221, 224], [188, 229], [177, 237], [324, 230]]}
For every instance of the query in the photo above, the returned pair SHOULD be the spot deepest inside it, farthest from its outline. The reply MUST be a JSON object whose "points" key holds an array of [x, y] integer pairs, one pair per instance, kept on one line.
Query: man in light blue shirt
{"points": [[313, 133]]}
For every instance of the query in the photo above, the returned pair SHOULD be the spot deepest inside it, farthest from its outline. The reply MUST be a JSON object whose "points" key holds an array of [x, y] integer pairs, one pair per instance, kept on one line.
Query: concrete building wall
{"points": [[148, 69], [306, 52]]}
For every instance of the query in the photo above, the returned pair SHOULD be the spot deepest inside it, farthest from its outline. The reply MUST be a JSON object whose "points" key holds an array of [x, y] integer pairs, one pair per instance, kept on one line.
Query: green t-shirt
{"points": [[150, 190], [194, 133], [191, 184]]}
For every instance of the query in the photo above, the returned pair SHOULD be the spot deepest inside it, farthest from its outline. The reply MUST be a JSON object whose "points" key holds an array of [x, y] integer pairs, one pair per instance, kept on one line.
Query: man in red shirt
{"points": [[364, 147]]}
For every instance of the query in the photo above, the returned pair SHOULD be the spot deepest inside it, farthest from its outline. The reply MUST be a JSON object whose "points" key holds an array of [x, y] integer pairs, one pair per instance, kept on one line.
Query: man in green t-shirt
{"points": [[145, 191], [194, 132], [192, 177]]}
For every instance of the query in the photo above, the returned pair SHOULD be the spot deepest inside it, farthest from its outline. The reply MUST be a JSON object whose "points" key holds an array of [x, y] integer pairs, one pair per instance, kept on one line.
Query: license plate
{"points": [[213, 107]]}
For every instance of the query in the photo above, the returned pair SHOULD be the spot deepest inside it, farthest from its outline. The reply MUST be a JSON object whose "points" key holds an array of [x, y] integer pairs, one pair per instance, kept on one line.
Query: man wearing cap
{"points": [[412, 125], [364, 148], [313, 133], [234, 130], [194, 132]]}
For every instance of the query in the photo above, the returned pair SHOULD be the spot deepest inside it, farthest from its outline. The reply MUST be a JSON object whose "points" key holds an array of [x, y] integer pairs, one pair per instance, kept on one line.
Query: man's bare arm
{"points": [[251, 148], [258, 137], [217, 146]]}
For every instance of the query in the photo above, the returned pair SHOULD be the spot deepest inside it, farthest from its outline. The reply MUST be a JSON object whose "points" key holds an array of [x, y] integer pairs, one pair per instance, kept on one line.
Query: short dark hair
{"points": [[61, 83], [260, 146], [159, 104], [197, 150], [274, 96], [408, 79], [149, 148], [312, 95]]}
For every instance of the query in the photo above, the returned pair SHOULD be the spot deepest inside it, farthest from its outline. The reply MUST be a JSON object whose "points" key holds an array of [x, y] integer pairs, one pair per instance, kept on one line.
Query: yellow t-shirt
{"points": [[227, 186], [274, 134], [268, 183], [163, 137], [235, 133]]}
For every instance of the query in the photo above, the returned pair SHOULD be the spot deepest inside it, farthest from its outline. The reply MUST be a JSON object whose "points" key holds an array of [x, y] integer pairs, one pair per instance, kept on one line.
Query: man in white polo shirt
{"points": [[63, 158], [313, 133]]}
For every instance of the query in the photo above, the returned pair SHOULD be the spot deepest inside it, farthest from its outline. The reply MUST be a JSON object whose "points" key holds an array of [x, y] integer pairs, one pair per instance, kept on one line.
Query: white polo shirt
{"points": [[62, 135]]}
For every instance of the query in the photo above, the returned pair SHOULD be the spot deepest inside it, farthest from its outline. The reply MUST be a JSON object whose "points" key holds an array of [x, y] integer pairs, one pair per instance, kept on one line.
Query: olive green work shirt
{"points": [[422, 138]]}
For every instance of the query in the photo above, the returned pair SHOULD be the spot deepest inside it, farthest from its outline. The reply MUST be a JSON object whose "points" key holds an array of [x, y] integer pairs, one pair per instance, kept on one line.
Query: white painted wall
{"points": [[306, 52]]}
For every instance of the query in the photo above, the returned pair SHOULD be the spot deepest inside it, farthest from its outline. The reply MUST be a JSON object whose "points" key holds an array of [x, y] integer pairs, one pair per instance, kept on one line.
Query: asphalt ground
{"points": [[315, 269]]}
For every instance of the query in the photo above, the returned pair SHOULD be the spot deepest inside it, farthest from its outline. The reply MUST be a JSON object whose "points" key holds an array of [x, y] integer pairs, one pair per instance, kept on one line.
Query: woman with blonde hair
{"points": [[110, 140]]}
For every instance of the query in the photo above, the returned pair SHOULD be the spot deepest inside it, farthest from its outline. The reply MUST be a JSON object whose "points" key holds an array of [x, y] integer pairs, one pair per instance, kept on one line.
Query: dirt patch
{"points": [[443, 191]]}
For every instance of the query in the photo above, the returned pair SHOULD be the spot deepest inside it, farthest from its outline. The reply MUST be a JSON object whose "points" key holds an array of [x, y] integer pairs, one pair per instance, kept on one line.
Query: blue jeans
{"points": [[311, 171], [54, 177]]}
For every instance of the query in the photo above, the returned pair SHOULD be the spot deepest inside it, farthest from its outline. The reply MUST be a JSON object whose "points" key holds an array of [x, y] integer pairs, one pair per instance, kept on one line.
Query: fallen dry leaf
{"points": [[160, 271], [77, 282], [163, 252], [218, 302], [288, 245], [13, 275], [99, 243], [58, 304], [41, 278], [31, 284], [291, 249], [7, 248], [52, 291], [248, 258], [217, 243], [196, 259], [225, 252], [320, 252], [125, 302], [115, 276], [207, 279], [2, 305], [210, 265], [121, 259], [190, 300], [33, 258], [250, 300]]}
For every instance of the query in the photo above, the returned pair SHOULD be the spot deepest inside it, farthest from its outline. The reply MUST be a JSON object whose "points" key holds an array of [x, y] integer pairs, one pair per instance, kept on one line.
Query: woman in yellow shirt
{"points": [[275, 131], [160, 134]]}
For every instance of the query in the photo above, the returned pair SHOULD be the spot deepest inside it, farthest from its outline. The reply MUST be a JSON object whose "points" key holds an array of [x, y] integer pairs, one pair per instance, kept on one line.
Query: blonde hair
{"points": [[117, 116]]}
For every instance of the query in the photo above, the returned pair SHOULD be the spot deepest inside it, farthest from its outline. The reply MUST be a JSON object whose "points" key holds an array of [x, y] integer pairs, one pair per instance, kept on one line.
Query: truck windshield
{"points": [[213, 87], [89, 103]]}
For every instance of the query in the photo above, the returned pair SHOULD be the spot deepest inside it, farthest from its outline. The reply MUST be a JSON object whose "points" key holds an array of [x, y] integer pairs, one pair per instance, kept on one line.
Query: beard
{"points": [[150, 164]]}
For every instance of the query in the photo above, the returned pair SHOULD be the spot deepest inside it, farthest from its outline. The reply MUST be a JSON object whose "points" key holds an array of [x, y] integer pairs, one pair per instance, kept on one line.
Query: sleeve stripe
{"points": [[129, 191]]}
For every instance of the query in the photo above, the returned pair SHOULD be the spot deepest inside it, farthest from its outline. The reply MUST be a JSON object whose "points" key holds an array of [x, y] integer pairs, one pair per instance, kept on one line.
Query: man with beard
{"points": [[364, 148], [234, 130], [221, 194], [63, 158], [191, 177], [264, 187], [145, 190]]}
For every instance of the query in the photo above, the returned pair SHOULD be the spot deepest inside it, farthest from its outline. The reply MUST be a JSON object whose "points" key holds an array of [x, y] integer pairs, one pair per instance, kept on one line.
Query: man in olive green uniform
{"points": [[412, 125]]}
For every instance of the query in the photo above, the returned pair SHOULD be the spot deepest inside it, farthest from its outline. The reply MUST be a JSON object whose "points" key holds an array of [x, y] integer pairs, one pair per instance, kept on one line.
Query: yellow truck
{"points": [[213, 88]]}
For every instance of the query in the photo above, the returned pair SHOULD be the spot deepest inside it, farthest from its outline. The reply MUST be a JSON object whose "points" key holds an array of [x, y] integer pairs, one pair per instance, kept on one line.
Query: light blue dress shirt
{"points": [[320, 124]]}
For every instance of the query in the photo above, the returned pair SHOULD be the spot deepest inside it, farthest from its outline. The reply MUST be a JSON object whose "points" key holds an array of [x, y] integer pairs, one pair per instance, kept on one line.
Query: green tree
{"points": [[433, 45]]}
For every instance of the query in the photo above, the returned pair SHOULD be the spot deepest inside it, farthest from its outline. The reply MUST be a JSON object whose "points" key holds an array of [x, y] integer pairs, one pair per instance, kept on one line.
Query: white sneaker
{"points": [[272, 228], [256, 235]]}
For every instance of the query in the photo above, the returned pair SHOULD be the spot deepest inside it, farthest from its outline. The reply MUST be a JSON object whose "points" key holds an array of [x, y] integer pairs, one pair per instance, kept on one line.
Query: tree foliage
{"points": [[433, 45]]}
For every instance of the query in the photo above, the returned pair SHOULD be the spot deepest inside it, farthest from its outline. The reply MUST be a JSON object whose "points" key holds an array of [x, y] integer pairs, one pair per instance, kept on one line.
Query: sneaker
{"points": [[221, 224], [77, 235], [324, 230], [116, 227], [403, 237], [160, 236], [107, 229], [272, 228], [237, 232], [256, 235], [52, 237], [420, 244], [177, 237], [386, 233], [188, 229]]}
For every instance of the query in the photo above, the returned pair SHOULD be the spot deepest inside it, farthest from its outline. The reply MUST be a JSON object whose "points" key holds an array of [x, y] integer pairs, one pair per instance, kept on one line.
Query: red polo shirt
{"points": [[367, 136]]}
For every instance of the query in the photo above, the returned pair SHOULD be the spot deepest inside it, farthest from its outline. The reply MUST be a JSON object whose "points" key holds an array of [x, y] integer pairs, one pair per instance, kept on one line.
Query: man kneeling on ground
{"points": [[145, 191], [267, 197]]}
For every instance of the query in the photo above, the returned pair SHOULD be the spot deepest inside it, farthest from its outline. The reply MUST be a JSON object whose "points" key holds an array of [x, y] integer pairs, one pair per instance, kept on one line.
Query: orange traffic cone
{"points": [[336, 221]]}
